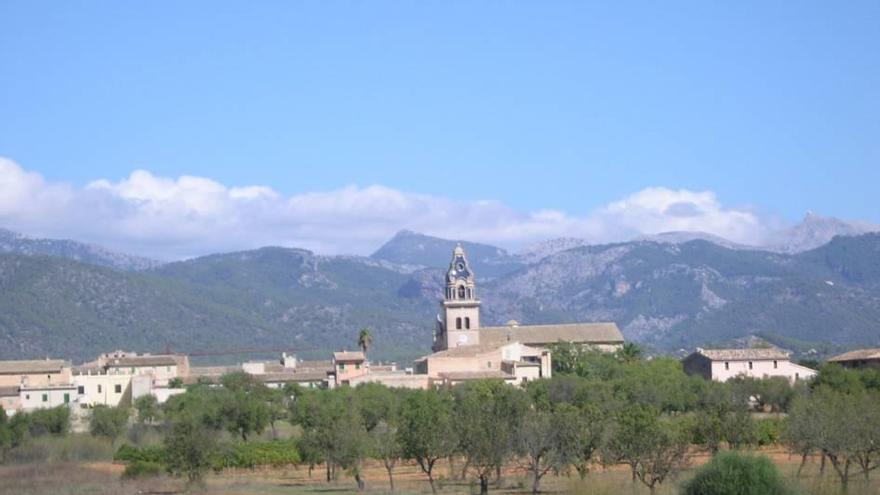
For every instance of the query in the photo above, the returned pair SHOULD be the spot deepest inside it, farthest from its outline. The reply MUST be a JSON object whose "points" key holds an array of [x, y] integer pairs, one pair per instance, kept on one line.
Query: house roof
{"points": [[32, 366], [349, 356], [475, 375], [301, 376], [158, 360], [580, 333], [8, 391], [857, 355], [320, 364], [743, 354]]}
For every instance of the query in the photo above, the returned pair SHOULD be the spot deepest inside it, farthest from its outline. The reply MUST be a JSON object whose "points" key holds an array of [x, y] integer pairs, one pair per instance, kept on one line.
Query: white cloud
{"points": [[170, 218]]}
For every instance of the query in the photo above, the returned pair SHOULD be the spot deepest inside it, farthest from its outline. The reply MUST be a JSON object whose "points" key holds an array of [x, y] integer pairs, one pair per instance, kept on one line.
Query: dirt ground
{"points": [[104, 478]]}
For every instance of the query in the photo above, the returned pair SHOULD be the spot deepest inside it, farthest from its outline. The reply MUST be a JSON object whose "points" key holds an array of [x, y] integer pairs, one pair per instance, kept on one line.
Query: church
{"points": [[465, 350]]}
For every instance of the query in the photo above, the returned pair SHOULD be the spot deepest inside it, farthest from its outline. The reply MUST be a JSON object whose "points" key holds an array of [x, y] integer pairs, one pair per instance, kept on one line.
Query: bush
{"points": [[129, 453], [769, 431], [253, 454], [142, 469], [108, 421], [731, 473]]}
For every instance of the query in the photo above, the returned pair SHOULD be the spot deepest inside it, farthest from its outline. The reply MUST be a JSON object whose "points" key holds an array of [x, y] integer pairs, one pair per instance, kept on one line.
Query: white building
{"points": [[723, 364]]}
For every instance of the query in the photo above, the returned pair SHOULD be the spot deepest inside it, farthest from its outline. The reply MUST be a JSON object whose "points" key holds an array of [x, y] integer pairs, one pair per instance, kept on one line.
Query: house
{"points": [[36, 372], [98, 386], [511, 362], [723, 364], [861, 358], [348, 365], [40, 383]]}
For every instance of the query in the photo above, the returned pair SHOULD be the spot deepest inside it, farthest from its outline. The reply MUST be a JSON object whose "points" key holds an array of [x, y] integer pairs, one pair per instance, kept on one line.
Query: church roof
{"points": [[580, 333]]}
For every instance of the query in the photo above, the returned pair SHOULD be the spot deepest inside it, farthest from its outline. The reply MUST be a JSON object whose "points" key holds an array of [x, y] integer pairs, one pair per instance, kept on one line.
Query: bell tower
{"points": [[459, 321]]}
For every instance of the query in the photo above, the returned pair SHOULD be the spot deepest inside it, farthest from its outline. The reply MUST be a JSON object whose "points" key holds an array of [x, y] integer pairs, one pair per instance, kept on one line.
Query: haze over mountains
{"points": [[672, 291]]}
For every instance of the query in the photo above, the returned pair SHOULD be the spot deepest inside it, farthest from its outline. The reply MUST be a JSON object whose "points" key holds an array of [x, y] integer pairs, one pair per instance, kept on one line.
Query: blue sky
{"points": [[566, 106]]}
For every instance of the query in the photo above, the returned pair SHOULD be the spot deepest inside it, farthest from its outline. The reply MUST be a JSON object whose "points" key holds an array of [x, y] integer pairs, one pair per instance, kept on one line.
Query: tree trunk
{"points": [[464, 470], [484, 484], [803, 462], [498, 480], [390, 477], [431, 482], [329, 473], [635, 476], [360, 482], [822, 464], [536, 483]]}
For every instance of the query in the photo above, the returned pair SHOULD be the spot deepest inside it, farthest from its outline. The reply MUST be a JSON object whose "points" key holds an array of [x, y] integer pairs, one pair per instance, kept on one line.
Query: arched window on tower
{"points": [[467, 322], [461, 292], [458, 323]]}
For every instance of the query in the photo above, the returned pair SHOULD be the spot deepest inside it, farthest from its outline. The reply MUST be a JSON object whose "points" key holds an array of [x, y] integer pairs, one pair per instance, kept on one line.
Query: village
{"points": [[463, 351]]}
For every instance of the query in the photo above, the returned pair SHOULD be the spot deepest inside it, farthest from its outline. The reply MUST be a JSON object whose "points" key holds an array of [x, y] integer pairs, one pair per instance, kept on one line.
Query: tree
{"points": [[245, 405], [549, 441], [488, 415], [147, 407], [661, 454], [731, 473], [427, 433], [629, 352], [188, 447], [365, 339], [386, 446], [108, 422], [628, 436]]}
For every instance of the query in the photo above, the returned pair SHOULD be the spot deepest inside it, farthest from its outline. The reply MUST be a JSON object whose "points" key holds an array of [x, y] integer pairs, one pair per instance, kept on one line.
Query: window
{"points": [[797, 376], [81, 390], [726, 365], [775, 364], [99, 389], [357, 366], [27, 396], [750, 365], [458, 323], [341, 366], [67, 398], [488, 364], [461, 292], [117, 388], [45, 397], [467, 322], [168, 369]]}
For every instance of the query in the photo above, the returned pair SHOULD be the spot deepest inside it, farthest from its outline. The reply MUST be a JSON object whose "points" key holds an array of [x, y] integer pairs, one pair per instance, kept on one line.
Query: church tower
{"points": [[459, 321]]}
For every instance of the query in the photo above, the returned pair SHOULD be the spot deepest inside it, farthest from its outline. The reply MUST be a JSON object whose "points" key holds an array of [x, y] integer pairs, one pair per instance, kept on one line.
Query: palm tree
{"points": [[629, 352], [365, 339]]}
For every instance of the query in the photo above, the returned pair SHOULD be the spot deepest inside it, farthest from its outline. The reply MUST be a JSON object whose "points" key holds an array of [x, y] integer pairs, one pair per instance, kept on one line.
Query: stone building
{"points": [[860, 358], [723, 364]]}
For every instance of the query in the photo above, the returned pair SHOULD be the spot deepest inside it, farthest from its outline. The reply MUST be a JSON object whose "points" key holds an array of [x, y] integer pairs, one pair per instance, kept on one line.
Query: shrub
{"points": [[130, 453], [732, 473], [141, 469], [769, 431], [253, 454], [108, 421]]}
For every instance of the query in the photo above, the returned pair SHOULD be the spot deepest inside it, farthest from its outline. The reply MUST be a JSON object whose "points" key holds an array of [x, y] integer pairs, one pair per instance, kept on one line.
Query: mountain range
{"points": [[673, 291]]}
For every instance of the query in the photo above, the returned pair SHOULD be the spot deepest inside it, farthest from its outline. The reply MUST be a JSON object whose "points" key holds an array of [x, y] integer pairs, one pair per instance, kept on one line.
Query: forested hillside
{"points": [[668, 295]]}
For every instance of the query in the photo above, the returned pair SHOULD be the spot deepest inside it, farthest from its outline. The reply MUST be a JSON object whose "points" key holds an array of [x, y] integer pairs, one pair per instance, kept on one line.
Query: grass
{"points": [[74, 478]]}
